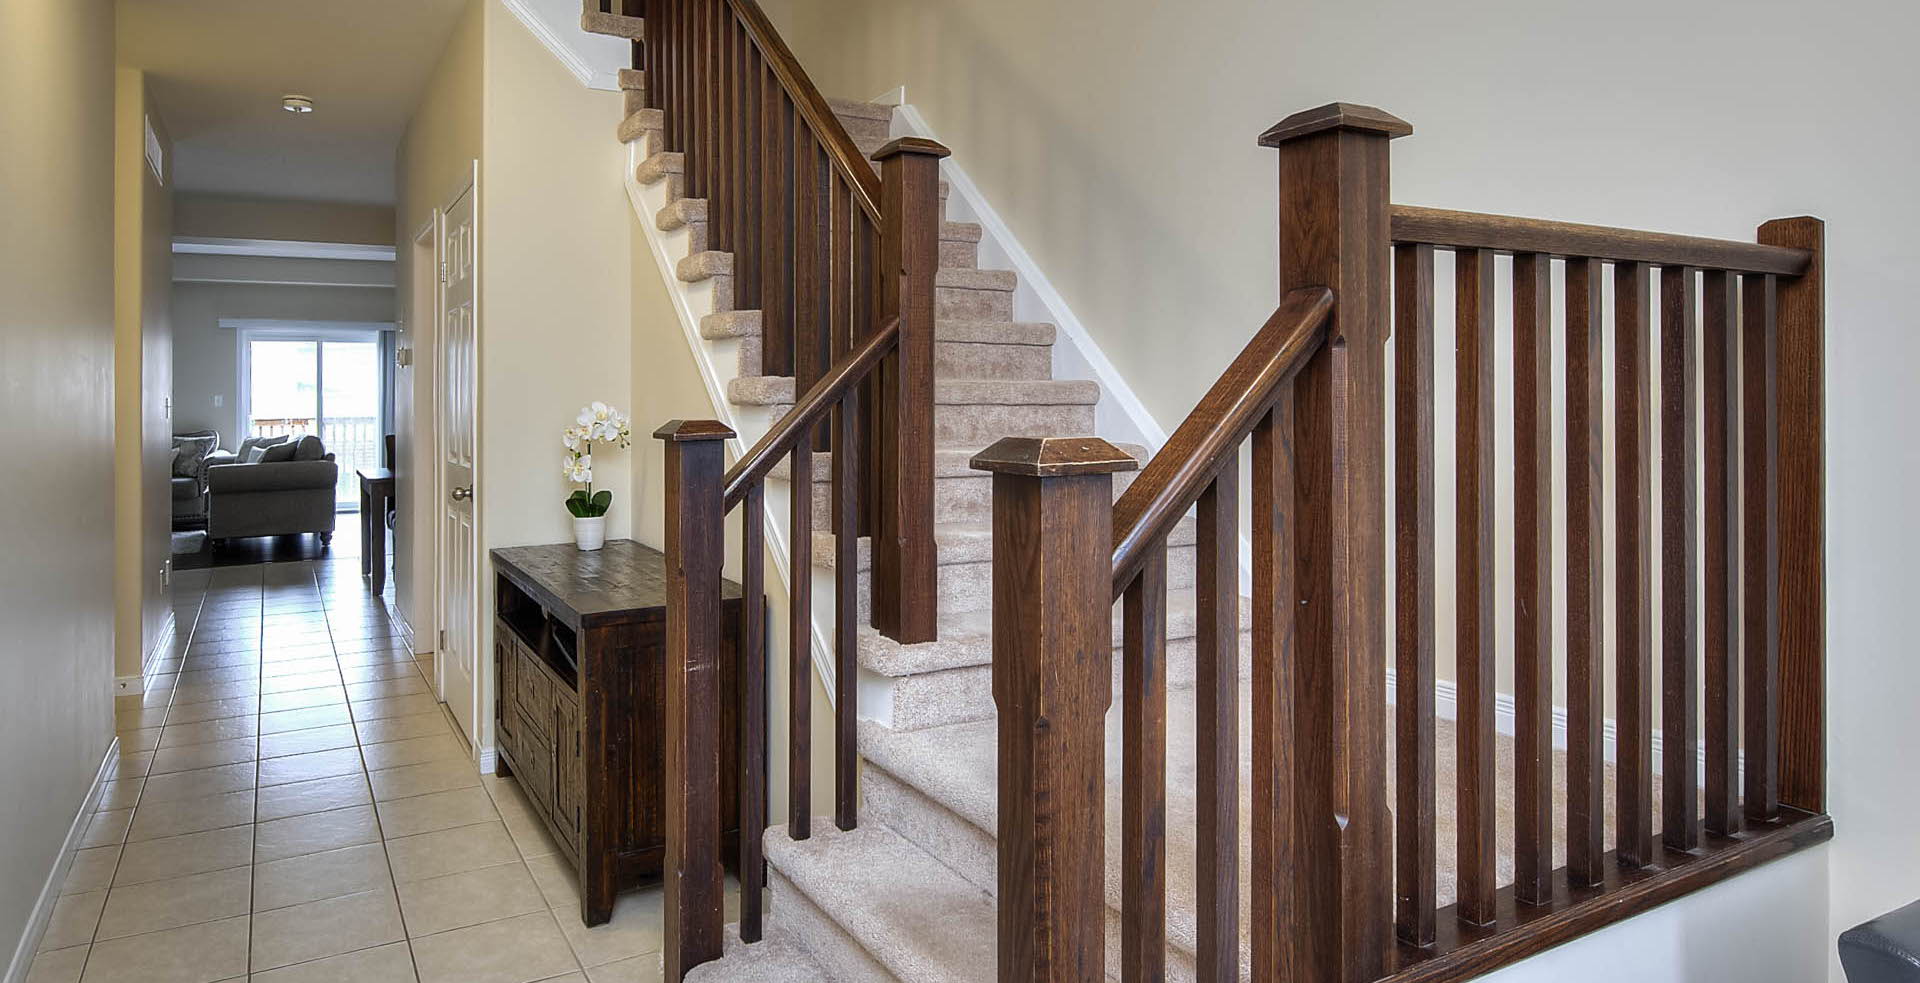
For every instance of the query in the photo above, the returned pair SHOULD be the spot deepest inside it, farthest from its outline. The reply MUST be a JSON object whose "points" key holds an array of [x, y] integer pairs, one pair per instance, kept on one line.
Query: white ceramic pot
{"points": [[590, 533]]}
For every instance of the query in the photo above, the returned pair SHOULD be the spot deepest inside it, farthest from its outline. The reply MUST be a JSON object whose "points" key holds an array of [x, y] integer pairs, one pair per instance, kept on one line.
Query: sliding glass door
{"points": [[327, 384]]}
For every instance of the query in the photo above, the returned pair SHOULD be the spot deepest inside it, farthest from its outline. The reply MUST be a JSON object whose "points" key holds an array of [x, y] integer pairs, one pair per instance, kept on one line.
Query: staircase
{"points": [[1228, 801]]}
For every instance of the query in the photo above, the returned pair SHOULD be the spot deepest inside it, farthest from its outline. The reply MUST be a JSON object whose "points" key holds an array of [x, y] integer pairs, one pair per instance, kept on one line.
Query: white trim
{"points": [[1446, 707], [595, 69], [36, 926], [330, 330], [162, 640], [1126, 417], [281, 248]]}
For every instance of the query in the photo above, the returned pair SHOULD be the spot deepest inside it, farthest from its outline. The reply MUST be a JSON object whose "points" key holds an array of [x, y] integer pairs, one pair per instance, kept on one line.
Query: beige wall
{"points": [[242, 217], [56, 396], [206, 355], [143, 363], [1118, 142], [435, 162]]}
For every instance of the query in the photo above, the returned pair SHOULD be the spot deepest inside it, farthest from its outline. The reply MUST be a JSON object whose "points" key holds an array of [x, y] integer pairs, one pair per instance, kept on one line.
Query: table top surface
{"points": [[374, 474], [622, 581]]}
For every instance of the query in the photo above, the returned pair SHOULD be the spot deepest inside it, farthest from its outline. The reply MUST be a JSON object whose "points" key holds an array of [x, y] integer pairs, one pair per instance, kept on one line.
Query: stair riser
{"points": [[959, 696], [973, 305], [966, 360], [957, 254], [633, 100], [959, 425], [839, 954], [969, 586]]}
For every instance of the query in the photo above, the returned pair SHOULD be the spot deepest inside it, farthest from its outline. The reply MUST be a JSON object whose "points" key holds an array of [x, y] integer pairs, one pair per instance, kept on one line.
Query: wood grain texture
{"points": [[1679, 556], [1533, 576], [1217, 726], [1143, 775], [800, 648], [808, 413], [1333, 232], [1720, 508], [753, 712], [1586, 624], [1474, 565], [777, 140], [1633, 575], [1277, 849], [1413, 428], [1052, 685], [695, 889], [846, 614], [1508, 234], [1760, 542], [1802, 487], [1236, 402]]}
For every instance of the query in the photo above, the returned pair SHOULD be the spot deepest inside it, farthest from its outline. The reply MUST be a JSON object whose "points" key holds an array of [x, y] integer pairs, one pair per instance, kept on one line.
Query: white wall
{"points": [[206, 355], [56, 398], [1117, 139]]}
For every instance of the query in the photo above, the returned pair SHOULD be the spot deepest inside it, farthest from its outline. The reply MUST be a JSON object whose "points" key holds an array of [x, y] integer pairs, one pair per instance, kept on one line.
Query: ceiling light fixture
{"points": [[296, 104]]}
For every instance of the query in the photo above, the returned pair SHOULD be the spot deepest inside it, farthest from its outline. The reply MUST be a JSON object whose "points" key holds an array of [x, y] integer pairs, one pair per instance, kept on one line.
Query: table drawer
{"points": [[536, 695], [535, 764]]}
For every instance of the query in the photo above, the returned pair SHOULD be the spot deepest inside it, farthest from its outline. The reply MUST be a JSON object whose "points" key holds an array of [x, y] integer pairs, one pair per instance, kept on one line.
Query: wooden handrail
{"points": [[812, 106], [1211, 435], [1508, 234], [808, 412]]}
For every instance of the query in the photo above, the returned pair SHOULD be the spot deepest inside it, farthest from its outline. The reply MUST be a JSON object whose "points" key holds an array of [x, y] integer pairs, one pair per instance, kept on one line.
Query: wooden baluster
{"points": [[1474, 577], [1760, 444], [1413, 610], [748, 163], [660, 74], [813, 240], [866, 320], [1801, 392], [721, 185], [776, 229], [1633, 577], [1679, 558], [1533, 577], [1586, 625], [1052, 685], [753, 710], [905, 594], [846, 614], [695, 540], [840, 331], [1143, 775], [684, 83], [700, 118], [1334, 232], [1721, 412], [1280, 899], [800, 647], [1217, 729]]}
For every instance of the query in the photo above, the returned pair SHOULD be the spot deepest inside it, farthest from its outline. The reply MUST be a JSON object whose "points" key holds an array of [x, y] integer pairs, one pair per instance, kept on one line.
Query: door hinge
{"points": [[443, 640], [443, 274]]}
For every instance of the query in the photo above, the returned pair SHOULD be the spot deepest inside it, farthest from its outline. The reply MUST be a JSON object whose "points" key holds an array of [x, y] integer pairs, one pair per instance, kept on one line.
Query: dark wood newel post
{"points": [[904, 588], [696, 539], [1337, 913], [1801, 400], [1052, 683]]}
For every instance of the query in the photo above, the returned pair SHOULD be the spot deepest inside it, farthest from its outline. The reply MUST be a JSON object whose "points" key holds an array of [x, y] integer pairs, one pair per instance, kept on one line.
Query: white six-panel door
{"points": [[459, 662]]}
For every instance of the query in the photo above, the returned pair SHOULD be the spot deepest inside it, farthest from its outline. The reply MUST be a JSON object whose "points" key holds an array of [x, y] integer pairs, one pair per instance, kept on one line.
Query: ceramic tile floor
{"points": [[291, 804]]}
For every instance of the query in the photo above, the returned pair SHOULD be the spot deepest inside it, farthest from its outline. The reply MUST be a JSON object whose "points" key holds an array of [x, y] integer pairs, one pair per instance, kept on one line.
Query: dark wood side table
{"points": [[376, 500], [579, 708]]}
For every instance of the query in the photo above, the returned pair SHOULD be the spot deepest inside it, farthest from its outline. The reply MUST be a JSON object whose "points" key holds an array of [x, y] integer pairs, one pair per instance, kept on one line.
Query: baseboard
{"points": [[487, 758], [36, 926], [162, 641], [406, 630]]}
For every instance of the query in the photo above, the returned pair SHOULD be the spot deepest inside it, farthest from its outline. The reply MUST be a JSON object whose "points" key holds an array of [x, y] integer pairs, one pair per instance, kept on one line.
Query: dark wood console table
{"points": [[580, 701]]}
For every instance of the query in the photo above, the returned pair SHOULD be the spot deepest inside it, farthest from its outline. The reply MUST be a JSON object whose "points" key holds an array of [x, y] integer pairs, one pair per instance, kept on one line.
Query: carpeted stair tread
{"points": [[638, 124], [773, 959], [911, 914], [613, 25], [776, 390]]}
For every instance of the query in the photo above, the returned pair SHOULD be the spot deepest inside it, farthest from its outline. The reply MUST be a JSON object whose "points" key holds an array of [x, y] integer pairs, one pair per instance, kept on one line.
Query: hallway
{"points": [[291, 804]]}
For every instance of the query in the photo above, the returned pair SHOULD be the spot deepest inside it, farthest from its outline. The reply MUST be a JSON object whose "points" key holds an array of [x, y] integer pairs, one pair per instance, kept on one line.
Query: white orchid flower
{"points": [[571, 438]]}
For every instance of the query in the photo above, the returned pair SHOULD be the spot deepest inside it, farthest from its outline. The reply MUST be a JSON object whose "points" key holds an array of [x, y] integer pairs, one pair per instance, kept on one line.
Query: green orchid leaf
{"points": [[603, 500]]}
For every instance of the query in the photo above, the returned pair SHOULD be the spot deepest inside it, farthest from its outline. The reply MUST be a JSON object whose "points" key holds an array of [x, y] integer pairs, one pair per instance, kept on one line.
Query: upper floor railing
{"points": [[1345, 873]]}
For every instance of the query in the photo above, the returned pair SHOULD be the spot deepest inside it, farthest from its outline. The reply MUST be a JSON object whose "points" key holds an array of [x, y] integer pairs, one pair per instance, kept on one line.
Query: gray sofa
{"points": [[274, 498], [190, 491]]}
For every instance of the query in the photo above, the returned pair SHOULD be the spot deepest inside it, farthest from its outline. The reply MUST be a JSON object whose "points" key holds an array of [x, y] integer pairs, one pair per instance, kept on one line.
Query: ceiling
{"points": [[218, 68]]}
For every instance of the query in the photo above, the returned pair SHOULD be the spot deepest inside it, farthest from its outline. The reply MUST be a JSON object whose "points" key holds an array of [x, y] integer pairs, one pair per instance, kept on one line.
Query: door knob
{"points": [[461, 494]]}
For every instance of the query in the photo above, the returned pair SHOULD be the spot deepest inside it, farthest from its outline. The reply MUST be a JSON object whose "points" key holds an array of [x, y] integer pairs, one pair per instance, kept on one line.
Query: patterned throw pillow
{"points": [[190, 461], [252, 442]]}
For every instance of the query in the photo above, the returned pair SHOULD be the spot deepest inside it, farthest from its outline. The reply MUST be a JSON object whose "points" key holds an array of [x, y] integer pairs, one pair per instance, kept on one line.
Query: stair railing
{"points": [[1344, 877], [839, 261]]}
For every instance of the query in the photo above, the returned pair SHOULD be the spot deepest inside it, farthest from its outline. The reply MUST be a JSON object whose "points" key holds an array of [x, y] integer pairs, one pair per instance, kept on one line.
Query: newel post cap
{"points": [[918, 146], [1052, 457], [1336, 116], [684, 431]]}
